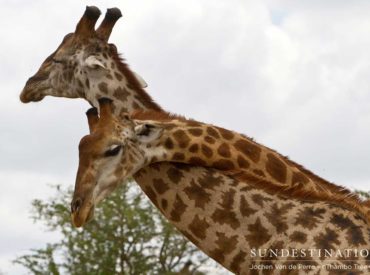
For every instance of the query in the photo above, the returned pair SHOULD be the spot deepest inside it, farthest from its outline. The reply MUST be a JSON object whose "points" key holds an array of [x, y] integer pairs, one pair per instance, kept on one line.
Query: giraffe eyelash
{"points": [[113, 151]]}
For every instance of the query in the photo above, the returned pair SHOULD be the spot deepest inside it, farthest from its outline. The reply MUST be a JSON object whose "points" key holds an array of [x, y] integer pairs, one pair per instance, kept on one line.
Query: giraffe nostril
{"points": [[76, 204]]}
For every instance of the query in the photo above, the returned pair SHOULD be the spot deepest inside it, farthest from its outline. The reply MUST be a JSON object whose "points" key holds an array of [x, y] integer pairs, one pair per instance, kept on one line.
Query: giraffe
{"points": [[211, 146], [232, 216], [86, 66]]}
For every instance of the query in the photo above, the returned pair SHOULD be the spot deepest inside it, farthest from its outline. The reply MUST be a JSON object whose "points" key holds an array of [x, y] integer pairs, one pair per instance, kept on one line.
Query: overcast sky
{"points": [[295, 75]]}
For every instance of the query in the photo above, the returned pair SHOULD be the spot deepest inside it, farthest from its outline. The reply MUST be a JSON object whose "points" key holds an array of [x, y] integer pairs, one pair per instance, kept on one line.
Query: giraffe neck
{"points": [[122, 85], [200, 144], [230, 219]]}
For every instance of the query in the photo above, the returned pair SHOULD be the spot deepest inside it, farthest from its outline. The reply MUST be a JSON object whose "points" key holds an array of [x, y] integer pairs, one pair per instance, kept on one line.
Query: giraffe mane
{"points": [[122, 66], [323, 183], [159, 116], [331, 186], [342, 195], [357, 204]]}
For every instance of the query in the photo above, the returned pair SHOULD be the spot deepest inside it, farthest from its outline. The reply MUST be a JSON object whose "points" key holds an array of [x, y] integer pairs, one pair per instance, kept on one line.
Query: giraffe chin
{"points": [[80, 218]]}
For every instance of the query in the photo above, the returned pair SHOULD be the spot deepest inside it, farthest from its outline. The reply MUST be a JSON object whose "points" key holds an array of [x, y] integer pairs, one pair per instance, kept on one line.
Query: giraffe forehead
{"points": [[91, 143], [73, 47], [102, 137]]}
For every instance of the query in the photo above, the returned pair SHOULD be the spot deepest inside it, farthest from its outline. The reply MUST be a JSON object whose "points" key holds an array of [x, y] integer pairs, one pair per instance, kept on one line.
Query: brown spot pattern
{"points": [[242, 162], [298, 237], [164, 204], [276, 168], [258, 234], [213, 132], [245, 209], [225, 214], [226, 134], [196, 161], [194, 148], [151, 194], [197, 194], [175, 175], [309, 217], [198, 227], [178, 156], [209, 139], [225, 245], [181, 138], [277, 216], [258, 199], [355, 237], [228, 199], [192, 123], [223, 164], [121, 94], [160, 186], [168, 143], [197, 132], [206, 151], [327, 239], [209, 180], [118, 76], [342, 222], [103, 87], [169, 126], [237, 262], [224, 150], [179, 208], [247, 148]]}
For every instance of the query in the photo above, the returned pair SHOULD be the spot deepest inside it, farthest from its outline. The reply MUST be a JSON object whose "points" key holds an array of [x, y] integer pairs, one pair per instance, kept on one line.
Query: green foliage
{"points": [[363, 194], [127, 236]]}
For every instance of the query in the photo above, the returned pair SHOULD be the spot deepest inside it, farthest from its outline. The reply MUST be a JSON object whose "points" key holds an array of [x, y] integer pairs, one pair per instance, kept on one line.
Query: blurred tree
{"points": [[127, 236]]}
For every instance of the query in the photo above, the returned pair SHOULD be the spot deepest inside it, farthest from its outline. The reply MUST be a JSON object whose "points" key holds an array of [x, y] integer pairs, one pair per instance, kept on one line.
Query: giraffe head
{"points": [[82, 62], [113, 151]]}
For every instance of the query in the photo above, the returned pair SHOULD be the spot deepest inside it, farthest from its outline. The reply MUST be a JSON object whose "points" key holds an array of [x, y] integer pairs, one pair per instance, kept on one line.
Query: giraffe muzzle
{"points": [[81, 212], [33, 90]]}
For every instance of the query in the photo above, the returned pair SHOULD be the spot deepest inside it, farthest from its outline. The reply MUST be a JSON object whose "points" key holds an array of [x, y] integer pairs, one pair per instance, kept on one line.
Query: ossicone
{"points": [[86, 26], [105, 29]]}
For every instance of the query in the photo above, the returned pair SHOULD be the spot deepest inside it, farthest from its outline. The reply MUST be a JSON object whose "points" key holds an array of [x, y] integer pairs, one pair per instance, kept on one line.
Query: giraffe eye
{"points": [[113, 151]]}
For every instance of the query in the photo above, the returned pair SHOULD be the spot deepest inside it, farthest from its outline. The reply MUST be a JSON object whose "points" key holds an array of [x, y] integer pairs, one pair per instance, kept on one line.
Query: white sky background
{"points": [[295, 75]]}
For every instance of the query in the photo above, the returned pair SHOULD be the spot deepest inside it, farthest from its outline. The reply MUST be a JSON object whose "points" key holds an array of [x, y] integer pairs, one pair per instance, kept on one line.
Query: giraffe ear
{"points": [[147, 132], [94, 63], [141, 80]]}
